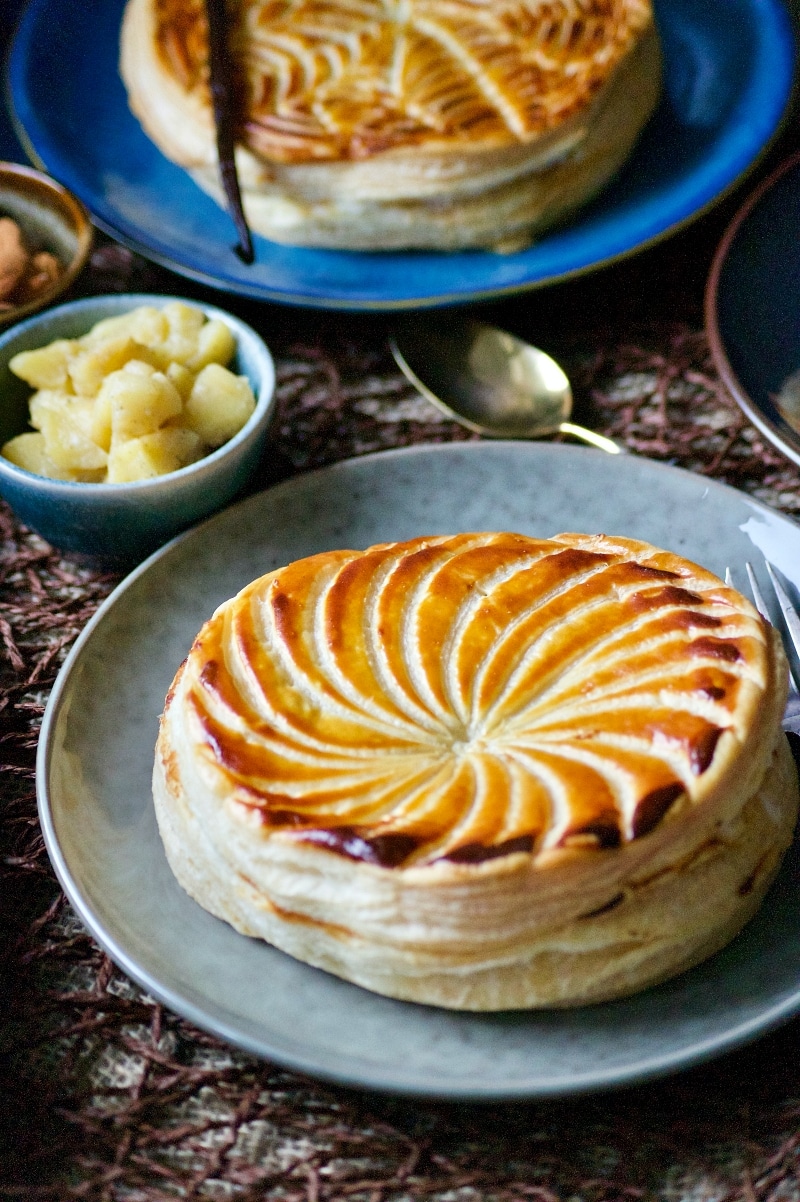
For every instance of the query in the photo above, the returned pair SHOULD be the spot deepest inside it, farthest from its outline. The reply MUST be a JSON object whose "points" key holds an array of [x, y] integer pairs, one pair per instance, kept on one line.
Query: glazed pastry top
{"points": [[327, 80], [461, 698]]}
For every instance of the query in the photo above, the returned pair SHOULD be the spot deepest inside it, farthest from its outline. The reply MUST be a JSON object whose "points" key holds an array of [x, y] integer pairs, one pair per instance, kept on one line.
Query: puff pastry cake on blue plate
{"points": [[482, 771], [387, 124]]}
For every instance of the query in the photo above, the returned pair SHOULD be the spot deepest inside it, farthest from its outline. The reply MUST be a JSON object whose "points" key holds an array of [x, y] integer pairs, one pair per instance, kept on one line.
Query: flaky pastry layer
{"points": [[482, 771], [428, 123]]}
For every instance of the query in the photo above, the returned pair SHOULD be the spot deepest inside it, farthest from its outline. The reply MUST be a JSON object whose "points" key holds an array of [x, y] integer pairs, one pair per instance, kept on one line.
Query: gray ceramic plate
{"points": [[97, 746]]}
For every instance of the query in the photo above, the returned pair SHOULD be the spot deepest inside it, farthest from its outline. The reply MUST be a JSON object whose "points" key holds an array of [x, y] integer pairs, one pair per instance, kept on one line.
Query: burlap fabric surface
{"points": [[105, 1095]]}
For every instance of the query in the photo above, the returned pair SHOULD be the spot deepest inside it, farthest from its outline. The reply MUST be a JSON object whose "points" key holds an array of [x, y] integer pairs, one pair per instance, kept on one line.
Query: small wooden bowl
{"points": [[51, 219]]}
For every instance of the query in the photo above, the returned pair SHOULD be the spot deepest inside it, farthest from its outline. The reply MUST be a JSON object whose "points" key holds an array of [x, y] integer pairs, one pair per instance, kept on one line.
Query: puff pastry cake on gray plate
{"points": [[438, 124], [482, 771]]}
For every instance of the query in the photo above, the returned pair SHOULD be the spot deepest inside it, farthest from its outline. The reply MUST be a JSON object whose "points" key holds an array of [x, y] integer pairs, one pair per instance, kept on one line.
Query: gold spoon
{"points": [[490, 381]]}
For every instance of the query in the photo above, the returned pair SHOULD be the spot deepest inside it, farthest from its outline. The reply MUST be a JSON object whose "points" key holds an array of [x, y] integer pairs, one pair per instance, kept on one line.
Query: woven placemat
{"points": [[105, 1095]]}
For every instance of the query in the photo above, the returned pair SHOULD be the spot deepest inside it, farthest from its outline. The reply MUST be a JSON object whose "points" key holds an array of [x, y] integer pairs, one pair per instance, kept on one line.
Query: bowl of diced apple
{"points": [[125, 419]]}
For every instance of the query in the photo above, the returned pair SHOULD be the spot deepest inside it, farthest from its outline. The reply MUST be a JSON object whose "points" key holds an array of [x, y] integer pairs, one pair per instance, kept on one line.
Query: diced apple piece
{"points": [[184, 443], [49, 405], [184, 319], [219, 404], [176, 349], [109, 327], [65, 430], [178, 443], [129, 461], [149, 325], [46, 367], [92, 365], [70, 448], [43, 402], [215, 344], [152, 455], [185, 323], [28, 452], [88, 369], [182, 378], [139, 404], [138, 367], [78, 409], [146, 324], [100, 430]]}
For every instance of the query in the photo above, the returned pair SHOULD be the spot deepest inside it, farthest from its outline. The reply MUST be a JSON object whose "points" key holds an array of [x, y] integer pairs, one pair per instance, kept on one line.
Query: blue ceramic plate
{"points": [[728, 79], [752, 309], [10, 149]]}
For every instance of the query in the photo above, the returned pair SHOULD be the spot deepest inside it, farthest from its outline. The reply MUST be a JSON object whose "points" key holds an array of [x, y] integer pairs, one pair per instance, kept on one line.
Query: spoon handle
{"points": [[595, 440]]}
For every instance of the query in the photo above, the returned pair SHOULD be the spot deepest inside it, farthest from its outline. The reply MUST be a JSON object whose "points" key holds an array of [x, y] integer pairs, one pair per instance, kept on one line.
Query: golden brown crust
{"points": [[324, 79], [458, 698]]}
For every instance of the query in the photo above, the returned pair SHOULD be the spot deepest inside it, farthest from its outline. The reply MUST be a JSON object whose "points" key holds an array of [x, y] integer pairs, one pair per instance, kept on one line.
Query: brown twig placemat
{"points": [[106, 1096]]}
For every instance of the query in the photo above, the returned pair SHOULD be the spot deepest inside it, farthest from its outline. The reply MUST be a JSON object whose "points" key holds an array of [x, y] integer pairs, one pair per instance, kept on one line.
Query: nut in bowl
{"points": [[121, 425], [45, 238]]}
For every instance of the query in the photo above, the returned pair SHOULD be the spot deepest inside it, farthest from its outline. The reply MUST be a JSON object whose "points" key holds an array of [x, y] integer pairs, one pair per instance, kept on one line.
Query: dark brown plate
{"points": [[752, 306]]}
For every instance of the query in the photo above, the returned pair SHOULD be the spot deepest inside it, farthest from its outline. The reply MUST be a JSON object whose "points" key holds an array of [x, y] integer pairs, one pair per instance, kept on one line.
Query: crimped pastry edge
{"points": [[668, 921]]}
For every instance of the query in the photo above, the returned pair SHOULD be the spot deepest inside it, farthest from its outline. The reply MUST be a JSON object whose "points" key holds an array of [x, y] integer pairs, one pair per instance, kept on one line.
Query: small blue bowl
{"points": [[120, 524]]}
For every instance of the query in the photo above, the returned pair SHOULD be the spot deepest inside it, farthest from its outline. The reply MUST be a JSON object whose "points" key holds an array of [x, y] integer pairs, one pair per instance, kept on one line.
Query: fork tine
{"points": [[761, 604], [791, 620], [787, 609]]}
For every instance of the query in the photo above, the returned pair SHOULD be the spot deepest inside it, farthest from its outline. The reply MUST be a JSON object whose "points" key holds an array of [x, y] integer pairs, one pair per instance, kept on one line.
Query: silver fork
{"points": [[790, 634]]}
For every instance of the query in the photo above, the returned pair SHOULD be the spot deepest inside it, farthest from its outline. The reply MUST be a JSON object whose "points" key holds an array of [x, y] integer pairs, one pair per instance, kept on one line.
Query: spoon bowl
{"points": [[490, 381]]}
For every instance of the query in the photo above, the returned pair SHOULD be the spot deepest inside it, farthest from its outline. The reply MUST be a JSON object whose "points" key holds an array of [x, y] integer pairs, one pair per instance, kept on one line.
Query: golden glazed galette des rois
{"points": [[482, 771], [385, 124]]}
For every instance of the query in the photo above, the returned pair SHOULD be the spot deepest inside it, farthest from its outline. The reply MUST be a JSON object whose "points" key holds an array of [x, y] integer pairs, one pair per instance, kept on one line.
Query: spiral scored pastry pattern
{"points": [[338, 80], [461, 698]]}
